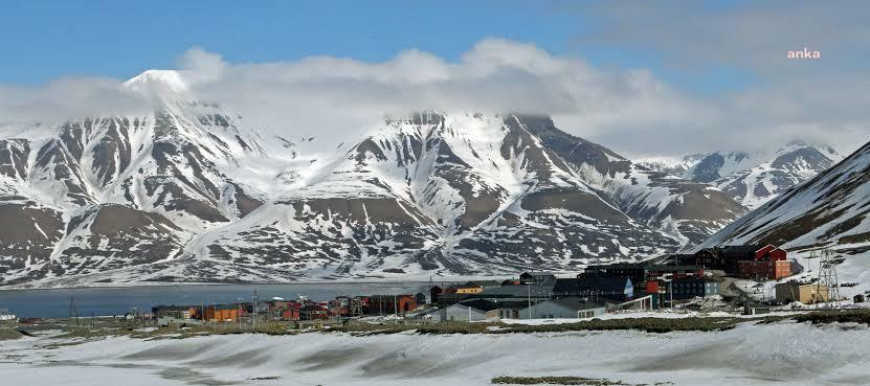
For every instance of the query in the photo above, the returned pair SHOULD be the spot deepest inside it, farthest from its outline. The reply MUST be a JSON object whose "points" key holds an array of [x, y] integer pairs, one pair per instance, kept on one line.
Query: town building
{"points": [[530, 290], [767, 269], [563, 308], [175, 312], [805, 293], [689, 288], [541, 279], [728, 258], [649, 278], [595, 287], [435, 294], [508, 309], [467, 289], [486, 284], [390, 304], [469, 310]]}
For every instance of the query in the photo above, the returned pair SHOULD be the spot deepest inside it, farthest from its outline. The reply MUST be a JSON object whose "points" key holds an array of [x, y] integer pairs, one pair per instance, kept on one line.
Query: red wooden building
{"points": [[729, 258], [769, 262]]}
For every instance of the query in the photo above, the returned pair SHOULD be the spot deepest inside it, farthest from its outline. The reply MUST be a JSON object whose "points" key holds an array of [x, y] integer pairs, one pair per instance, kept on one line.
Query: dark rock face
{"points": [[164, 198], [13, 158], [802, 159], [27, 236], [788, 168], [708, 169], [690, 210], [751, 178], [112, 236]]}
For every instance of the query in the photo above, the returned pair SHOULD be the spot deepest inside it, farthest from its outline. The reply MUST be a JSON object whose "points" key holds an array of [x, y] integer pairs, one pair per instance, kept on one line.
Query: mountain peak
{"points": [[158, 81]]}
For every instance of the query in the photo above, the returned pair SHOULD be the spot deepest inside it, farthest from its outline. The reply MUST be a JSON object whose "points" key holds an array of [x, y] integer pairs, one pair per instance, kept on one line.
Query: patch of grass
{"points": [[9, 334], [653, 325], [835, 316], [553, 381], [562, 381]]}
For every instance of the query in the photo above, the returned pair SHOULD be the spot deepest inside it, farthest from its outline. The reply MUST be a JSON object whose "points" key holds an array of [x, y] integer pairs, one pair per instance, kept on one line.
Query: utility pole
{"points": [[254, 310], [239, 313], [73, 310], [529, 287]]}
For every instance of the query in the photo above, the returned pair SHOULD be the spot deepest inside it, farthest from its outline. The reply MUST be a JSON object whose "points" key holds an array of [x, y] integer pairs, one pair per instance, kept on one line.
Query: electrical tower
{"points": [[828, 277], [356, 310]]}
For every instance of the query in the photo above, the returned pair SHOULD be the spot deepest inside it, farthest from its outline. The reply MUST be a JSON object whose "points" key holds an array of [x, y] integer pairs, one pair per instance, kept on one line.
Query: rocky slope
{"points": [[189, 193], [751, 178], [829, 210]]}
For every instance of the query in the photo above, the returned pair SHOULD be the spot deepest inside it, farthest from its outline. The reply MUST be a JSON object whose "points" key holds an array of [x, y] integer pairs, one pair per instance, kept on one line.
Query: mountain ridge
{"points": [[190, 193], [751, 177]]}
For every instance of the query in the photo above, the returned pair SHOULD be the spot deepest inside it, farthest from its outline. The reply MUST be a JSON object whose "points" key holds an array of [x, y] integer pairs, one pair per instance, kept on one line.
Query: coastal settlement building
{"points": [[746, 261], [564, 308], [805, 293]]}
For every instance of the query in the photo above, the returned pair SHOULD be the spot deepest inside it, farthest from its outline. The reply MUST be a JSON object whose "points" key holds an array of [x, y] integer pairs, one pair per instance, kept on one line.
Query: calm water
{"points": [[55, 303]]}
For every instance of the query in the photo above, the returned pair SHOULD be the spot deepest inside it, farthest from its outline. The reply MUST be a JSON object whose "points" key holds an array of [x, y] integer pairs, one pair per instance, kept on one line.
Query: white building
{"points": [[563, 308], [472, 310]]}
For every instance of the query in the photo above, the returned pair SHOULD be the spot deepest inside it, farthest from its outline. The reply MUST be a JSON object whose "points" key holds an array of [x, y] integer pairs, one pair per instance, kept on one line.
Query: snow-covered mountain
{"points": [[188, 192], [831, 209], [751, 178]]}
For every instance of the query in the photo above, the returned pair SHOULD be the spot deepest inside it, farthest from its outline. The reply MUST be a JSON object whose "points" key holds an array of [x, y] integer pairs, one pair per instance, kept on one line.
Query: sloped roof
{"points": [[591, 283], [519, 291], [576, 303], [479, 304], [740, 250]]}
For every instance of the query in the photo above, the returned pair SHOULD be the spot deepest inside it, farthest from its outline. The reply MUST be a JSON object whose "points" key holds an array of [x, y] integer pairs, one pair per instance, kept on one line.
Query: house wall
{"points": [[469, 290], [806, 293], [778, 254], [769, 269], [692, 288], [458, 312], [549, 310]]}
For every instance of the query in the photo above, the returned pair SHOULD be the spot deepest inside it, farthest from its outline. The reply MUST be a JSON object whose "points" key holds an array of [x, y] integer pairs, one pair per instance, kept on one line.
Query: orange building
{"points": [[768, 269], [388, 304], [223, 313]]}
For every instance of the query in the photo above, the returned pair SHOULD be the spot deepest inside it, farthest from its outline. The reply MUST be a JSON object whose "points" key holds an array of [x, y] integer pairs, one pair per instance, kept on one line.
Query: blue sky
{"points": [[46, 40]]}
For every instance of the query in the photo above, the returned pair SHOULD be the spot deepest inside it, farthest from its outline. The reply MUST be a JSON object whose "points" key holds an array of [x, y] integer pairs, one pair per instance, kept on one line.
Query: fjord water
{"points": [[55, 303]]}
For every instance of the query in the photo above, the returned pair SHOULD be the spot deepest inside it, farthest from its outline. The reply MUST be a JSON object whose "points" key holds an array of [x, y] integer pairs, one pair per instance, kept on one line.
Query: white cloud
{"points": [[628, 110], [334, 96], [67, 98]]}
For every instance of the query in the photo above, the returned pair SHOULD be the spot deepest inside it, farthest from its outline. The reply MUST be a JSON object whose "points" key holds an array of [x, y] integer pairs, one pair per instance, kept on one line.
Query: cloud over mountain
{"points": [[630, 108]]}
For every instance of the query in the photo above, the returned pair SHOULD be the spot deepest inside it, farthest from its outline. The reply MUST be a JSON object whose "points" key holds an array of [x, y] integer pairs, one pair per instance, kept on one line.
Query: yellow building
{"points": [[469, 289], [804, 293]]}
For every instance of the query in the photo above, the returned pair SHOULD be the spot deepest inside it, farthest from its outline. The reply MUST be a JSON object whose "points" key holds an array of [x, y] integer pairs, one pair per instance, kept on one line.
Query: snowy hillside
{"points": [[189, 192], [830, 209], [751, 178]]}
